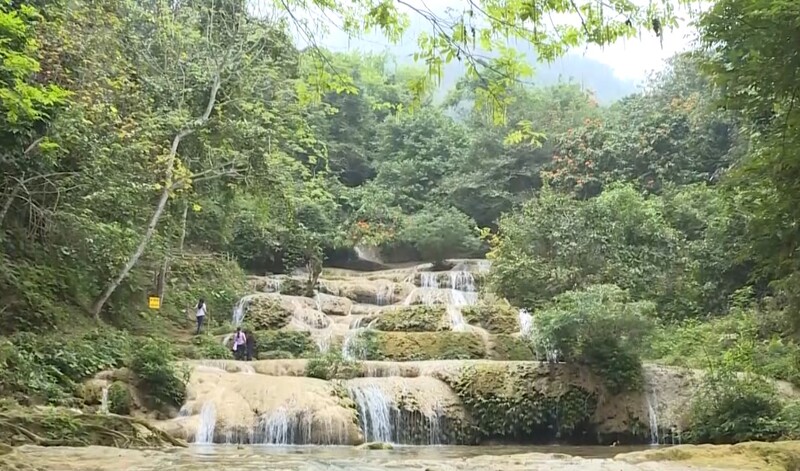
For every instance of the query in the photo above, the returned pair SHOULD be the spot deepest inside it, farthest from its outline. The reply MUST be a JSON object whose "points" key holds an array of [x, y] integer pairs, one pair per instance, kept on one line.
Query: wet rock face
{"points": [[409, 323]]}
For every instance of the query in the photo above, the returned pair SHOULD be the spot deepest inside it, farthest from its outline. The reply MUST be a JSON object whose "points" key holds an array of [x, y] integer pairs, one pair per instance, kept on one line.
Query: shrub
{"points": [[119, 398], [49, 369], [412, 346], [438, 233], [211, 348], [495, 318], [152, 362], [731, 408], [508, 348], [297, 343], [599, 327], [748, 335], [411, 319], [332, 366]]}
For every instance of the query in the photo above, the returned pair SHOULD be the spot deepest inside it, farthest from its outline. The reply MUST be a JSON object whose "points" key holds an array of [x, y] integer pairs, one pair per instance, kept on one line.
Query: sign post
{"points": [[154, 302]]}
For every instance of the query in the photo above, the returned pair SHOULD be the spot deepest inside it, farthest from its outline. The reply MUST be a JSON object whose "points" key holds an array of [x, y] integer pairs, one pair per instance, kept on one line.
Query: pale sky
{"points": [[632, 59]]}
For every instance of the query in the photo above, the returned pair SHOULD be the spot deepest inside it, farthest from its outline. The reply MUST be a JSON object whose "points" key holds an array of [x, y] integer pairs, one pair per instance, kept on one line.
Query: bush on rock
{"points": [[495, 318], [120, 400], [411, 319], [599, 327], [411, 346], [267, 313], [296, 343], [160, 383], [509, 348], [513, 403]]}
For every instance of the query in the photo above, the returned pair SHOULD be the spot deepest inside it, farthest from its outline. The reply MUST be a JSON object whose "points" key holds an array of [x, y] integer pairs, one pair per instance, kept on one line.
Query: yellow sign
{"points": [[154, 302]]}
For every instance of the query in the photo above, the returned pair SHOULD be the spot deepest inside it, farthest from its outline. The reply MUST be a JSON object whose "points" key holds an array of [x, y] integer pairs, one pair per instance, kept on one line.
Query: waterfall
{"points": [[652, 414], [370, 254], [375, 411], [273, 285], [457, 321], [428, 279], [352, 348], [385, 295], [280, 427], [415, 416], [104, 401], [543, 346], [525, 323], [240, 309], [208, 422], [462, 293]]}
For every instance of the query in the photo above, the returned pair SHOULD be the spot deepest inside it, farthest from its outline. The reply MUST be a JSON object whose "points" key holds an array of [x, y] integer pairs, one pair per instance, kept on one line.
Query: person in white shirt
{"points": [[201, 314], [239, 344]]}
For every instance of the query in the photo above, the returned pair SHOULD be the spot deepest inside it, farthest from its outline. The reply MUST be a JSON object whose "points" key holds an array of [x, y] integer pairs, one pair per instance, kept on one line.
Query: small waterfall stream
{"points": [[390, 410], [525, 323], [104, 401], [208, 423], [375, 412]]}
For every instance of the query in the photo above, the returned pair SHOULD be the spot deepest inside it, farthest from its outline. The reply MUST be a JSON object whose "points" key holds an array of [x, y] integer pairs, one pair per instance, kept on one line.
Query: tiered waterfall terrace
{"points": [[422, 359]]}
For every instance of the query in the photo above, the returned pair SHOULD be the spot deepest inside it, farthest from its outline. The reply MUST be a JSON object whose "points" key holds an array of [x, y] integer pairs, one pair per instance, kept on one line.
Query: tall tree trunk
{"points": [[162, 203], [164, 273], [183, 226]]}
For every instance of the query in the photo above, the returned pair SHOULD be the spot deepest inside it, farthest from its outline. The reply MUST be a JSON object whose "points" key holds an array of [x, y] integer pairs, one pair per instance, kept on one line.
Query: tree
{"points": [[555, 244], [438, 233], [753, 60]]}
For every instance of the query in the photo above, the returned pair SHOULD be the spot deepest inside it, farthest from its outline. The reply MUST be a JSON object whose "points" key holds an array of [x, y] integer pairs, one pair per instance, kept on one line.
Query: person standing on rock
{"points": [[200, 314], [239, 342]]}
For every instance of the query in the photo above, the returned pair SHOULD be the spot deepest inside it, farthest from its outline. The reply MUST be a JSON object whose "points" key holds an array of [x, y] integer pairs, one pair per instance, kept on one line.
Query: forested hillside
{"points": [[159, 148]]}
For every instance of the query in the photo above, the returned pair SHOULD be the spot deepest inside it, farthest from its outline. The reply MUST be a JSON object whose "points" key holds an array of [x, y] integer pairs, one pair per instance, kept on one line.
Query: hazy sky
{"points": [[630, 60]]}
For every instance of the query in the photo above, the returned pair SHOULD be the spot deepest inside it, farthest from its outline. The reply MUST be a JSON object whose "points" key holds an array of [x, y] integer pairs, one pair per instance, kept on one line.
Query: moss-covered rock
{"points": [[525, 403], [375, 446], [120, 398], [496, 318], [510, 348], [410, 346], [267, 313], [411, 319], [757, 456], [275, 355], [58, 427], [297, 343]]}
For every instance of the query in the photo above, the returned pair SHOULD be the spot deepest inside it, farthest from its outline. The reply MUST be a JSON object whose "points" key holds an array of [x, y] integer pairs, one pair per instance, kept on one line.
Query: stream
{"points": [[335, 458]]}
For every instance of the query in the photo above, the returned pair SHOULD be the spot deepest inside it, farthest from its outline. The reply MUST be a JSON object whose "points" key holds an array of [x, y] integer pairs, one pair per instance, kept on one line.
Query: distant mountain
{"points": [[593, 75]]}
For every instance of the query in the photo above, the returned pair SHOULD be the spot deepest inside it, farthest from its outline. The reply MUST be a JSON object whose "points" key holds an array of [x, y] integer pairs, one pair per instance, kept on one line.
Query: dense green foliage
{"points": [[508, 406], [165, 148], [599, 327]]}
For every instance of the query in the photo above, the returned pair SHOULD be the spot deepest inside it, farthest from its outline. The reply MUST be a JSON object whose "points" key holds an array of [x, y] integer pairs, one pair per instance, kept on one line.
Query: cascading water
{"points": [[385, 295], [375, 412], [240, 309], [104, 401], [525, 323], [208, 423], [652, 413], [352, 347], [462, 293], [392, 410]]}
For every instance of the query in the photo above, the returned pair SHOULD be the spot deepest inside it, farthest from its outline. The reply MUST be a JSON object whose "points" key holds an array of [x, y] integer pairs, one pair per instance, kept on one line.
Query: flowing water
{"points": [[104, 400], [276, 458], [525, 323]]}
